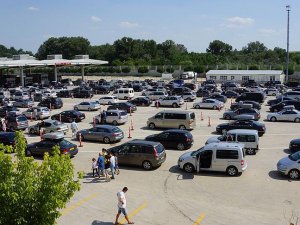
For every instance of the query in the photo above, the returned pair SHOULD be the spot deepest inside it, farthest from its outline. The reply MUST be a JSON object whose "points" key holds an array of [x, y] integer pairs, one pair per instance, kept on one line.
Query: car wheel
{"points": [[297, 120], [76, 108], [31, 131], [227, 117], [189, 99], [106, 140], [232, 171], [215, 107], [294, 174], [180, 146], [182, 127], [273, 119], [188, 167], [151, 125], [115, 123], [89, 109], [224, 131], [147, 165], [174, 105], [251, 151], [197, 106]]}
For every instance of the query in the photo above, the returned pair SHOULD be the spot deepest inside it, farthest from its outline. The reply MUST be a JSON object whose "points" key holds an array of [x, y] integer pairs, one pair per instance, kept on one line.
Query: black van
{"points": [[253, 96]]}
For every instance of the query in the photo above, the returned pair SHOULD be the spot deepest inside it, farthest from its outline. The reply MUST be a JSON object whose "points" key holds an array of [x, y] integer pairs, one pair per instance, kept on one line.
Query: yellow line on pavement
{"points": [[200, 218], [77, 204], [133, 213]]}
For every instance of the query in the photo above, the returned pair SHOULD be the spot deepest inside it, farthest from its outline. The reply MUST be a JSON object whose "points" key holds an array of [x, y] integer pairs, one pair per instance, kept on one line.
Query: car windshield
{"points": [[94, 103], [56, 123], [295, 156], [196, 152], [21, 118], [10, 136]]}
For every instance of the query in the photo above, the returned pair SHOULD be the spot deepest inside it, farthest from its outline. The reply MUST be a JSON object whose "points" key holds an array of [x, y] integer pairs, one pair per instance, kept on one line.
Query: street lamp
{"points": [[288, 9]]}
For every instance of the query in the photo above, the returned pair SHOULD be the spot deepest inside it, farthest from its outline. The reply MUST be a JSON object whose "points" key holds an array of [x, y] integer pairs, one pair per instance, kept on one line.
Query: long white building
{"points": [[239, 76]]}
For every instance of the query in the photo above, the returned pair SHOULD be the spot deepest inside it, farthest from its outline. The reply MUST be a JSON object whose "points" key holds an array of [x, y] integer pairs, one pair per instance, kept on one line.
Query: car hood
{"points": [[285, 161], [223, 125], [83, 131], [296, 141], [213, 140], [185, 155], [150, 137]]}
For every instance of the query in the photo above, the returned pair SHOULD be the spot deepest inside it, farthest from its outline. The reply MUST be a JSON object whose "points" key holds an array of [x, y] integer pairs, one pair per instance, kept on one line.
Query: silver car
{"points": [[48, 126], [108, 100], [103, 133], [113, 116], [290, 165], [189, 96], [87, 106], [23, 103], [37, 113], [157, 95], [174, 101], [233, 115], [285, 115], [209, 104]]}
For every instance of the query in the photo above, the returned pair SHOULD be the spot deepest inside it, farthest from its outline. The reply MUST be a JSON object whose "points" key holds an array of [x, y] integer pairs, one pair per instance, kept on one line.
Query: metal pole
{"points": [[288, 9], [55, 73], [82, 72]]}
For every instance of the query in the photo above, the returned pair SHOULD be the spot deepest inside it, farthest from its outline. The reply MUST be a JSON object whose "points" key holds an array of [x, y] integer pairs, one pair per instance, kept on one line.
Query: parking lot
{"points": [[167, 195]]}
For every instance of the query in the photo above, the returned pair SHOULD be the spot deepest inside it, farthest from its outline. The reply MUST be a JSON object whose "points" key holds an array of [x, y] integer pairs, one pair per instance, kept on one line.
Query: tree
{"points": [[255, 47], [219, 48], [32, 193]]}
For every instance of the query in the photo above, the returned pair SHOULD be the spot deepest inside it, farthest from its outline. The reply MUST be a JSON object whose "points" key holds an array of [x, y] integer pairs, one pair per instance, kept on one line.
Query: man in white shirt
{"points": [[112, 164], [74, 128], [122, 206]]}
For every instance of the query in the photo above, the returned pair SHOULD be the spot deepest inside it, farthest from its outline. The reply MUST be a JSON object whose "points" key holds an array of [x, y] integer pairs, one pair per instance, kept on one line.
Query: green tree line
{"points": [[136, 52]]}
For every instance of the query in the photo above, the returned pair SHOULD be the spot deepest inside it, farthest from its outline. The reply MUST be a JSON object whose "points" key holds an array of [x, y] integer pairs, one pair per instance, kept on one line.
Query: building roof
{"points": [[244, 72]]}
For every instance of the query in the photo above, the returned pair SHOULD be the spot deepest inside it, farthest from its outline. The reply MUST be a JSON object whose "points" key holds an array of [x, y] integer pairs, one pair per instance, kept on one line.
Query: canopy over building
{"points": [[239, 76]]}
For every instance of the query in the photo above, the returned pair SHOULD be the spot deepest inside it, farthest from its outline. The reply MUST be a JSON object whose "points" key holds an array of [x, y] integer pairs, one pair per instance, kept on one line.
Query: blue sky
{"points": [[195, 23]]}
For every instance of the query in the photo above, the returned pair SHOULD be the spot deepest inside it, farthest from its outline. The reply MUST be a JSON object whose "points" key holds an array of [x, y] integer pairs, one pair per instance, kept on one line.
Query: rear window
{"points": [[116, 130], [21, 119], [246, 138], [64, 143], [8, 136], [227, 154], [123, 113], [56, 123], [175, 116]]}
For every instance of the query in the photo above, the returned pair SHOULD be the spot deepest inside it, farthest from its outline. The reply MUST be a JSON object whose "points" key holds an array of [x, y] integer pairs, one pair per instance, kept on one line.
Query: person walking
{"points": [[122, 206], [3, 123], [112, 165], [94, 167], [100, 162], [117, 170], [103, 116], [106, 167], [74, 128], [35, 113]]}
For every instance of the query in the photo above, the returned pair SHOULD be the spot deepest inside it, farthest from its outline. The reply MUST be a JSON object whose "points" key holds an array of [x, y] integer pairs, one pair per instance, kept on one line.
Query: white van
{"points": [[223, 157], [247, 137], [124, 93]]}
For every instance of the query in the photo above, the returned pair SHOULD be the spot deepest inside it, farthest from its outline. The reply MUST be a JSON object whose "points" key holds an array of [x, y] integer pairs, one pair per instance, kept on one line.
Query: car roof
{"points": [[115, 110], [177, 131], [176, 111], [105, 126], [223, 146], [243, 131], [54, 135], [143, 142]]}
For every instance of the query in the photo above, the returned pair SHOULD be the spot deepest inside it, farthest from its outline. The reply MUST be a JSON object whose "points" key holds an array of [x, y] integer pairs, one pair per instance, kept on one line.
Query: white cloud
{"points": [[126, 24], [32, 8], [237, 21], [96, 19]]}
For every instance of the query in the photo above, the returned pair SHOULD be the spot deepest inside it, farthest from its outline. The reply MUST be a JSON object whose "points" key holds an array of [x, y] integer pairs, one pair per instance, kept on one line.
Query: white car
{"points": [[108, 100], [42, 113], [88, 106], [51, 94], [208, 104], [189, 96], [272, 92], [285, 115], [174, 101], [290, 165], [157, 95]]}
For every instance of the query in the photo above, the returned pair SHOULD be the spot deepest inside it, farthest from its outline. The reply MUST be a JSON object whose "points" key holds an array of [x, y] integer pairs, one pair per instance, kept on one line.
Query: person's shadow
{"points": [[97, 222]]}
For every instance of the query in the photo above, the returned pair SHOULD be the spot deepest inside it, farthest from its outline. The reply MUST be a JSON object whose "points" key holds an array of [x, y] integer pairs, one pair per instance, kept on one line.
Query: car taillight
{"points": [[114, 134], [188, 139], [155, 152], [65, 151], [242, 162]]}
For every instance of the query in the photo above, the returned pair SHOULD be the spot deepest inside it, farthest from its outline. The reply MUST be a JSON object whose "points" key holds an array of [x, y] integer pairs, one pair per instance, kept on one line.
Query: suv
{"points": [[51, 140], [51, 103], [178, 139], [17, 122], [83, 94], [147, 154], [189, 96], [174, 101], [113, 116]]}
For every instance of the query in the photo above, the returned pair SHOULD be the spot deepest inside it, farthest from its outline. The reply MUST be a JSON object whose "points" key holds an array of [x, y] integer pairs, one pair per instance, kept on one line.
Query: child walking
{"points": [[94, 167]]}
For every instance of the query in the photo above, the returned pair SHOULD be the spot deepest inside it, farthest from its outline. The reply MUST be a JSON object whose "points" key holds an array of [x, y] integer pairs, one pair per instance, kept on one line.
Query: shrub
{"points": [[143, 69], [126, 70]]}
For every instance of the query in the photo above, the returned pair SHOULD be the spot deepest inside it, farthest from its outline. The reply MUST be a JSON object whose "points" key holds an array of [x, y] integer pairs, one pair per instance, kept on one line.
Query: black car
{"points": [[190, 86], [137, 87], [51, 103], [99, 89], [278, 100], [8, 138], [83, 94], [64, 94], [236, 105], [242, 124], [143, 153], [175, 139], [68, 116], [217, 96], [278, 107], [6, 109], [202, 93], [252, 96], [230, 94], [40, 148], [140, 101], [126, 106], [180, 90], [295, 145]]}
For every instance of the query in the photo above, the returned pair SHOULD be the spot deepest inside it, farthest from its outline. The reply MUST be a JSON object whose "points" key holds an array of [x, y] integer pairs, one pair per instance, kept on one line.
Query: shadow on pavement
{"points": [[274, 174], [97, 222]]}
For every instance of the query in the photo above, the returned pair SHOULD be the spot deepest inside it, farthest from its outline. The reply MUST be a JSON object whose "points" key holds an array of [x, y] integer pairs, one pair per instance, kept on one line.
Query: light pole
{"points": [[288, 9]]}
